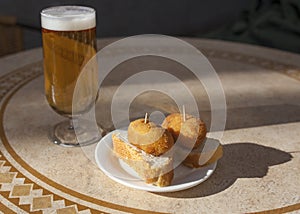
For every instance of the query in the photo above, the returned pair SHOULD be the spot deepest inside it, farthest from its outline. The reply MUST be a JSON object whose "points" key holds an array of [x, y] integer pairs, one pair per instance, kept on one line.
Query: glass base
{"points": [[64, 134]]}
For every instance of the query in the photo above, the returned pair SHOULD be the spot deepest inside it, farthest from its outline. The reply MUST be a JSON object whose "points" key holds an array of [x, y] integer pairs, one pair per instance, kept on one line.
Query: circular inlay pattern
{"points": [[26, 188]]}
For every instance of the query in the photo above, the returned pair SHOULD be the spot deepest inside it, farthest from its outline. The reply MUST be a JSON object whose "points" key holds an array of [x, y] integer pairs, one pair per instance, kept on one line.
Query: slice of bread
{"points": [[156, 170], [209, 152]]}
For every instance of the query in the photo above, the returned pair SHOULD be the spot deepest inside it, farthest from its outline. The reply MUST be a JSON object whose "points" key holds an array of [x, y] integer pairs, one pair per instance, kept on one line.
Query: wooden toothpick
{"points": [[146, 117], [183, 110]]}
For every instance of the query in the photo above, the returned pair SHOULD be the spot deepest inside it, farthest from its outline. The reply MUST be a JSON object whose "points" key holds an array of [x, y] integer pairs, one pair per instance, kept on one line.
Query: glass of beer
{"points": [[69, 42]]}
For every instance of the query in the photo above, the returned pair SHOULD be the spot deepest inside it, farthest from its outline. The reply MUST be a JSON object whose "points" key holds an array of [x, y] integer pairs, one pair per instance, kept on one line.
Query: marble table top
{"points": [[258, 173]]}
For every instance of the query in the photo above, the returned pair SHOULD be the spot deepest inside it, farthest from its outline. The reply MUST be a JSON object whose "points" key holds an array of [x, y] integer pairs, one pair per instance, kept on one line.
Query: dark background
{"points": [[131, 17], [227, 19]]}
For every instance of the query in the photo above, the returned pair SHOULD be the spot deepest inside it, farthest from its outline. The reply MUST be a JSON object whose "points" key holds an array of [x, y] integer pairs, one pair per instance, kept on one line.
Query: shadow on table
{"points": [[255, 116], [240, 160]]}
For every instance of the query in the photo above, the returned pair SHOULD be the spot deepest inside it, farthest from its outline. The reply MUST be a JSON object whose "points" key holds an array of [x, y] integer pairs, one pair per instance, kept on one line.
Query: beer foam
{"points": [[68, 18]]}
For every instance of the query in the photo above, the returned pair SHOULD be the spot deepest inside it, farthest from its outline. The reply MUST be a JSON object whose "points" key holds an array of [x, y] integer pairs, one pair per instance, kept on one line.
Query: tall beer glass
{"points": [[69, 42]]}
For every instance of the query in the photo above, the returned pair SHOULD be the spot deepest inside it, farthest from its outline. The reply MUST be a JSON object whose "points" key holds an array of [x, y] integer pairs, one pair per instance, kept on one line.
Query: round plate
{"points": [[120, 172]]}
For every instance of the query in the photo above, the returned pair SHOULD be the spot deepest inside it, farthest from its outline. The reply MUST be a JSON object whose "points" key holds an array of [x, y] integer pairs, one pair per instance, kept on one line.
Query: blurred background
{"points": [[271, 23]]}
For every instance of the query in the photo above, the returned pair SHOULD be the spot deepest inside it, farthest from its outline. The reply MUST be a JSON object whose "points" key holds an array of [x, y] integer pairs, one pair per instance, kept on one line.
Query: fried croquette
{"points": [[192, 131], [149, 137]]}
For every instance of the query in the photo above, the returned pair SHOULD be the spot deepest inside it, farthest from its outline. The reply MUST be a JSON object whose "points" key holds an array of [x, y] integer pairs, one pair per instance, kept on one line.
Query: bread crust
{"points": [[190, 133], [149, 137]]}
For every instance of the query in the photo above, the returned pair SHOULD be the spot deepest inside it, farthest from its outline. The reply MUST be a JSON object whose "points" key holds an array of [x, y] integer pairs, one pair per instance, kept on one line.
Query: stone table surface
{"points": [[258, 173]]}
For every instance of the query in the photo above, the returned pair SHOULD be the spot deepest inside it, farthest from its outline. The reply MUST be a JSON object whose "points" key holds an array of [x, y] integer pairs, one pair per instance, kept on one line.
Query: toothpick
{"points": [[146, 116], [183, 110]]}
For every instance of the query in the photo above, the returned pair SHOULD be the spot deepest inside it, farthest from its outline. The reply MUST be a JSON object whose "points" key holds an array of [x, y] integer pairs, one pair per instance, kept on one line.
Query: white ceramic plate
{"points": [[120, 172]]}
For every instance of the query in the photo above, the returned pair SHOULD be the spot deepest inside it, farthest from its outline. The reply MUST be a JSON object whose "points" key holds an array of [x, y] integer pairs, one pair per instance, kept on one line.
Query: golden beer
{"points": [[71, 72], [68, 44]]}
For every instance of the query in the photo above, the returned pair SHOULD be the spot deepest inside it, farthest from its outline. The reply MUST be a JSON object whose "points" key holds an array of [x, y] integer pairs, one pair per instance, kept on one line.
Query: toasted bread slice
{"points": [[209, 152], [156, 170]]}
